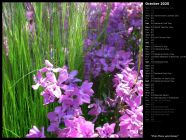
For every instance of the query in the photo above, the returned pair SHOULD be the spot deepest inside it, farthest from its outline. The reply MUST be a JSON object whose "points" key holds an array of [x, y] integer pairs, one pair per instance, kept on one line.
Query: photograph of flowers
{"points": [[72, 70]]}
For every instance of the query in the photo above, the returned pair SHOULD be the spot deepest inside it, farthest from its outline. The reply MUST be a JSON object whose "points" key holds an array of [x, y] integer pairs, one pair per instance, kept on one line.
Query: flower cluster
{"points": [[63, 89], [117, 52], [70, 96], [112, 46], [114, 33], [79, 127], [129, 87]]}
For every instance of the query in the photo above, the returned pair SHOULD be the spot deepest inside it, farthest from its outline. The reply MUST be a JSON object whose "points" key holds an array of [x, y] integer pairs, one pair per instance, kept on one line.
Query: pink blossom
{"points": [[36, 133]]}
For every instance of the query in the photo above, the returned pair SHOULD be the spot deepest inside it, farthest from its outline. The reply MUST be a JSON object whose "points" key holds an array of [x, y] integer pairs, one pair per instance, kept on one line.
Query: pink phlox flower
{"points": [[36, 133], [106, 131]]}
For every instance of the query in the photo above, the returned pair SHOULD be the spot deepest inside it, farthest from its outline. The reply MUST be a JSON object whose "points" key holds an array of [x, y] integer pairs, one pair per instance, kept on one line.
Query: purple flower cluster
{"points": [[96, 109], [116, 53], [77, 127], [63, 89], [111, 48], [70, 96], [129, 87], [131, 123], [107, 131]]}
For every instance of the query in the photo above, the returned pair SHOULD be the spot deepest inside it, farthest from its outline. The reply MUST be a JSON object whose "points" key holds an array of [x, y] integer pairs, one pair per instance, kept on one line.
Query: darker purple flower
{"points": [[87, 44], [96, 108], [113, 102], [53, 127], [122, 59]]}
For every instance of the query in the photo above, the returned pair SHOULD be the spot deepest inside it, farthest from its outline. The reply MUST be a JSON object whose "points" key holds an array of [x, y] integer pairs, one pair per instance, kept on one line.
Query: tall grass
{"points": [[22, 106]]}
